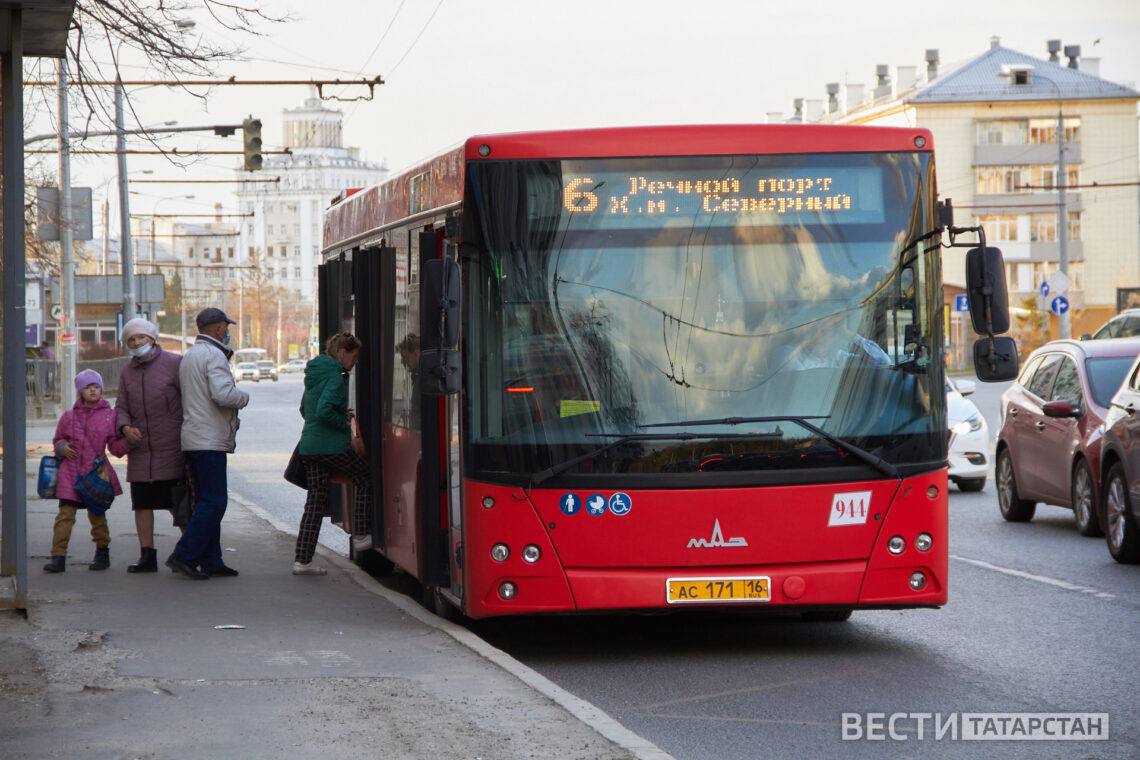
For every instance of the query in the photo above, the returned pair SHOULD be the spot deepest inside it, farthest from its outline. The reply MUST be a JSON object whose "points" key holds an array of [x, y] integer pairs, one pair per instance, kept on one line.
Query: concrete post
{"points": [[128, 269], [67, 247], [1064, 326]]}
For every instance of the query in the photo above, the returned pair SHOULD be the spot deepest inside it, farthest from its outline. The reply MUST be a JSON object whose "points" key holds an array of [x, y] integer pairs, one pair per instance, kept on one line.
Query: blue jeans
{"points": [[201, 544]]}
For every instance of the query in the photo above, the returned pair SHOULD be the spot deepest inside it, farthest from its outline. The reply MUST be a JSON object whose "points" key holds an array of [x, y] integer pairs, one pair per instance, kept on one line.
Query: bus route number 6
{"points": [[575, 200]]}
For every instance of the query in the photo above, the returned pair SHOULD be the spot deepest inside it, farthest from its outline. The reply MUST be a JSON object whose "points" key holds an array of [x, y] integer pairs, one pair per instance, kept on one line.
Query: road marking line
{"points": [[736, 719], [730, 693], [1037, 578], [584, 711]]}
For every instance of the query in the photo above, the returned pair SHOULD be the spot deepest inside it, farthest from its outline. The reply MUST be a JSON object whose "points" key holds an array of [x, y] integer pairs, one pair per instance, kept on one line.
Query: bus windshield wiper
{"points": [[877, 462], [562, 467]]}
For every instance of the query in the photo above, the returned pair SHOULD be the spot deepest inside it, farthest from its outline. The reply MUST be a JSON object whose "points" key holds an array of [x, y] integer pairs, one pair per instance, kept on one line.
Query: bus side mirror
{"points": [[995, 359], [986, 291]]}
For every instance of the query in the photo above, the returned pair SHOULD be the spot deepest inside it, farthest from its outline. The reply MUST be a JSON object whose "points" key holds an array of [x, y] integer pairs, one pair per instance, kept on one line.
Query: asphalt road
{"points": [[1039, 620]]}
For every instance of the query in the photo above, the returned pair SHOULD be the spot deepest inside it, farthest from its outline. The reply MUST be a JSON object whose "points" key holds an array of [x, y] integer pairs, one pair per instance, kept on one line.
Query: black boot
{"points": [[102, 559], [148, 562], [57, 565]]}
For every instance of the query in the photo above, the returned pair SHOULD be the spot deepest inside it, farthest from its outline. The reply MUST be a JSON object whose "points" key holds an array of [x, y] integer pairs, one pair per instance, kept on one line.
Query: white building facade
{"points": [[283, 235], [994, 121]]}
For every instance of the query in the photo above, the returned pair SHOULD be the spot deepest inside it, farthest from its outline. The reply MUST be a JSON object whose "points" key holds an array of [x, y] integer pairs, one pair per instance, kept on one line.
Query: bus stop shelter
{"points": [[28, 28]]}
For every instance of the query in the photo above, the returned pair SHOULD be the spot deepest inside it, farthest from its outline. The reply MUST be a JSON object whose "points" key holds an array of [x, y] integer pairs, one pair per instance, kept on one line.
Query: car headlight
{"points": [[975, 422]]}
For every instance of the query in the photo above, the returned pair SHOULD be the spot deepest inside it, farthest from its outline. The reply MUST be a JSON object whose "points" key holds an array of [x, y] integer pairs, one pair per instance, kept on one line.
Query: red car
{"points": [[1049, 444]]}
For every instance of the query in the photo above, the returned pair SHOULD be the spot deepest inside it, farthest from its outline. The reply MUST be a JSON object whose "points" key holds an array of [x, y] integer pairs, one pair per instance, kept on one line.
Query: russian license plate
{"points": [[719, 590]]}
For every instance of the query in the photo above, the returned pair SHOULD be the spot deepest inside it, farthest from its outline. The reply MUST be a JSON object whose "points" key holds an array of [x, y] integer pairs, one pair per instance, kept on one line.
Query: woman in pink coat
{"points": [[83, 434]]}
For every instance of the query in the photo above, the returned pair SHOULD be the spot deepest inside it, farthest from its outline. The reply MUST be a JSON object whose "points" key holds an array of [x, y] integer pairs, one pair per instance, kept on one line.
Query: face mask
{"points": [[139, 352], [226, 339]]}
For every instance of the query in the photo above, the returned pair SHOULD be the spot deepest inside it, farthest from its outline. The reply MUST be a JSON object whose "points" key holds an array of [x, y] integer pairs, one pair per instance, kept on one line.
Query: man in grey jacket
{"points": [[210, 403]]}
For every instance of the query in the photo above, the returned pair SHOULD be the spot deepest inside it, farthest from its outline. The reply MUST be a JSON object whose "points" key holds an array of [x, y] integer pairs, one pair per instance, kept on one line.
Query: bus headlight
{"points": [[923, 542], [896, 545], [917, 581], [531, 553], [500, 552], [507, 590]]}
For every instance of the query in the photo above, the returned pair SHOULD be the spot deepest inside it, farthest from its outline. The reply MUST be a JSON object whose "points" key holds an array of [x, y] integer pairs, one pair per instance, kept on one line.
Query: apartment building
{"points": [[994, 120]]}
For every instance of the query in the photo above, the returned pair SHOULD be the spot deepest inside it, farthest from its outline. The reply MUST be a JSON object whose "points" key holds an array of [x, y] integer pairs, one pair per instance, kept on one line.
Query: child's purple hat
{"points": [[88, 377]]}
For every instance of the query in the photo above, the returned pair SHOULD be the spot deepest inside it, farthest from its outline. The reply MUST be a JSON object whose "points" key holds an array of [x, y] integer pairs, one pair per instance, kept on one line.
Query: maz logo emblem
{"points": [[716, 540]]}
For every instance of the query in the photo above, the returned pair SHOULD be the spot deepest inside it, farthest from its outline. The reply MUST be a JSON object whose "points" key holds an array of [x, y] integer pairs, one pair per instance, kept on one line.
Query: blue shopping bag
{"points": [[94, 488], [48, 477]]}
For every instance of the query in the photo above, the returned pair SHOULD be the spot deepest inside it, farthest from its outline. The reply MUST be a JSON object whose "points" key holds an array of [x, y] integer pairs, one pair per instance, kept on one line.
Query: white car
{"points": [[246, 371], [969, 437]]}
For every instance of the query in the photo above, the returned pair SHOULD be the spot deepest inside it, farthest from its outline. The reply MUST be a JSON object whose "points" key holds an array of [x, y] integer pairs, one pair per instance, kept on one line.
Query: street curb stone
{"points": [[584, 711]]}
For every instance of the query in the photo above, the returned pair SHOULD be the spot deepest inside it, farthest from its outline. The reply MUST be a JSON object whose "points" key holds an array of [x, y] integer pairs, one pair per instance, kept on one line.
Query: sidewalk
{"points": [[115, 665]]}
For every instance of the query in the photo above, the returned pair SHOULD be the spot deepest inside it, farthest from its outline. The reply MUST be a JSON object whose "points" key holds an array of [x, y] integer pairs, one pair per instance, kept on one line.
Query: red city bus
{"points": [[653, 368]]}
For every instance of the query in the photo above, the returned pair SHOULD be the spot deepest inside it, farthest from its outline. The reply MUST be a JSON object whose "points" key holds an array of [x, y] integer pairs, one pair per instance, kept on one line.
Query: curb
{"points": [[586, 712]]}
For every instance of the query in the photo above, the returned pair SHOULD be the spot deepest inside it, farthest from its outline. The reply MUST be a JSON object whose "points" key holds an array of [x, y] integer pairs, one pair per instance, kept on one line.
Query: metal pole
{"points": [[129, 299], [67, 249], [13, 507], [278, 357], [241, 309], [106, 235], [153, 265], [1064, 327]]}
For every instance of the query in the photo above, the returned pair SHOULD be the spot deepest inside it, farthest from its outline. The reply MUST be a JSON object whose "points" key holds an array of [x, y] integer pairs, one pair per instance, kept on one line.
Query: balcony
{"points": [[1022, 203], [1024, 155], [1025, 251]]}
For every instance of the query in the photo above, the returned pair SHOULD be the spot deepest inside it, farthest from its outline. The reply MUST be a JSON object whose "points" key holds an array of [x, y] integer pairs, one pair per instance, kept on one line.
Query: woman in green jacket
{"points": [[326, 449]]}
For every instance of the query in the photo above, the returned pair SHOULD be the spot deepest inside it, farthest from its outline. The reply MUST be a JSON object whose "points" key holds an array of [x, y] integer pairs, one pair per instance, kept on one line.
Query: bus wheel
{"points": [[438, 604], [826, 616], [373, 562]]}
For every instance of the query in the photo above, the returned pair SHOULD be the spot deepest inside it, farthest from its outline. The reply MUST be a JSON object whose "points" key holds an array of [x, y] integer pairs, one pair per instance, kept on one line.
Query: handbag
{"points": [[48, 477], [295, 470], [356, 442], [181, 502], [94, 488]]}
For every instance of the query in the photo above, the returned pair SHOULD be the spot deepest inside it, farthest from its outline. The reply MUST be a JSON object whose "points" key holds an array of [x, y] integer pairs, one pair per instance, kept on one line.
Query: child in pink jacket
{"points": [[83, 434]]}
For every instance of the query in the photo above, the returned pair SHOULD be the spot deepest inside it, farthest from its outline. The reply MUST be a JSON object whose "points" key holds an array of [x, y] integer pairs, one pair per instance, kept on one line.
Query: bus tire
{"points": [[438, 604], [1013, 507], [826, 616], [374, 563]]}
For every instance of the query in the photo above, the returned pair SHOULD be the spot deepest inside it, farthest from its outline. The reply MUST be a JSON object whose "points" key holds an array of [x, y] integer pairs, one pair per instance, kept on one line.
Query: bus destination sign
{"points": [[841, 195]]}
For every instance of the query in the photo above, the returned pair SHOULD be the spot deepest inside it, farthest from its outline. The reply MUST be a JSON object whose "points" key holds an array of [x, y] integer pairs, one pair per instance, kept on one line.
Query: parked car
{"points": [[291, 366], [1049, 445], [969, 437], [267, 370], [1126, 324], [1120, 463], [246, 371]]}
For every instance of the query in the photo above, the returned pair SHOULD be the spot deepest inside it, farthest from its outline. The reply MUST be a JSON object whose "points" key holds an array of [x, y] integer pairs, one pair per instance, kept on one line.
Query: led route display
{"points": [[851, 195]]}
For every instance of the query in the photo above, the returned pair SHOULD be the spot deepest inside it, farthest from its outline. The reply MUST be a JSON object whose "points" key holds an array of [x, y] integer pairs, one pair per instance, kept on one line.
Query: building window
{"points": [[1043, 227], [1038, 178], [230, 252], [189, 253], [1002, 132], [269, 229], [1000, 227], [296, 250], [218, 254], [1044, 131], [297, 272]]}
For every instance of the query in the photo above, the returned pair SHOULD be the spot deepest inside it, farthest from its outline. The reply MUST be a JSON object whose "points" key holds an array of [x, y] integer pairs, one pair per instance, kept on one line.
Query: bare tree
{"points": [[155, 34]]}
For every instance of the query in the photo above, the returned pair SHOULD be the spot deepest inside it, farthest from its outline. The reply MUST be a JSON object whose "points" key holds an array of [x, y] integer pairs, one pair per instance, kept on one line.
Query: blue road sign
{"points": [[1059, 305], [1044, 289], [570, 504], [596, 504], [962, 303], [620, 503]]}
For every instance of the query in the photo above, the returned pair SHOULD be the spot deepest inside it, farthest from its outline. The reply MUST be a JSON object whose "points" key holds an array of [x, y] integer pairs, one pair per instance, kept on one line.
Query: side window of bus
{"points": [[1042, 383], [405, 351]]}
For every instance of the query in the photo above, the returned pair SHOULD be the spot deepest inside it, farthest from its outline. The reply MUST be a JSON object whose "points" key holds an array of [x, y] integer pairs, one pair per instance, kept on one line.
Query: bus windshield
{"points": [[611, 297]]}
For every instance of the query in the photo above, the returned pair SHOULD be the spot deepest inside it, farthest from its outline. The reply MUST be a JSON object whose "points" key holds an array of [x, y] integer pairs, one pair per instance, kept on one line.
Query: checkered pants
{"points": [[318, 468]]}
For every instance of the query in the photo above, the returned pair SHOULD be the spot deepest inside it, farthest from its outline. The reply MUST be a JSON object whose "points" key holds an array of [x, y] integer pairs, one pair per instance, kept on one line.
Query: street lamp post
{"points": [[154, 215]]}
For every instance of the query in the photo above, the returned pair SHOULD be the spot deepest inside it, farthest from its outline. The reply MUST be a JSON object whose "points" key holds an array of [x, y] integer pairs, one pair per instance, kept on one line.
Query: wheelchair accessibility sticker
{"points": [[620, 504]]}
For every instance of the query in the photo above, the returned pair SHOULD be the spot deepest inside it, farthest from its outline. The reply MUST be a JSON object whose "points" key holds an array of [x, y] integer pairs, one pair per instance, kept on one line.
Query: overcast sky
{"points": [[508, 65]]}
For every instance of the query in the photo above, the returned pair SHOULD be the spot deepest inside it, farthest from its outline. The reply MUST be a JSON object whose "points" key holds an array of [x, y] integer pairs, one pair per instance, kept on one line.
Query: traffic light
{"points": [[251, 143]]}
